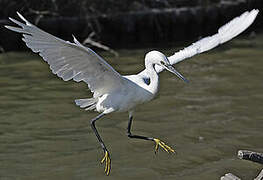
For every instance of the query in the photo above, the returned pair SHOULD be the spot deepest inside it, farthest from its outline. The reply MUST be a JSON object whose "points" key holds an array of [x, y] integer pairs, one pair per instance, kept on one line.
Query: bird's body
{"points": [[125, 98], [134, 90], [113, 92], [134, 93]]}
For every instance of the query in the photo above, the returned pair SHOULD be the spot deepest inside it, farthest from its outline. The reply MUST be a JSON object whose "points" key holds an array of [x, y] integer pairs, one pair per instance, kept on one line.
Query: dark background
{"points": [[92, 7], [125, 23]]}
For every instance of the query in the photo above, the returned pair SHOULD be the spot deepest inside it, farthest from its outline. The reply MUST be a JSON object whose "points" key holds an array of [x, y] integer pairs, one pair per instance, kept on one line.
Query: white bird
{"points": [[113, 92]]}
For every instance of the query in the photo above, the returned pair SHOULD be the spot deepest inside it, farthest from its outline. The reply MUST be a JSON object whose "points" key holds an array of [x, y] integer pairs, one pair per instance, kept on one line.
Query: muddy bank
{"points": [[145, 28]]}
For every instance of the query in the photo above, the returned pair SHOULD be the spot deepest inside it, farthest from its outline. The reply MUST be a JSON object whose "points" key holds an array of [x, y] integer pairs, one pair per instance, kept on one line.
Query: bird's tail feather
{"points": [[89, 103]]}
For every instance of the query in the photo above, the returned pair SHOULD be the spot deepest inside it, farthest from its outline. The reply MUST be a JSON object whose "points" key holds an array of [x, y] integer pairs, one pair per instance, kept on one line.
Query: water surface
{"points": [[43, 135]]}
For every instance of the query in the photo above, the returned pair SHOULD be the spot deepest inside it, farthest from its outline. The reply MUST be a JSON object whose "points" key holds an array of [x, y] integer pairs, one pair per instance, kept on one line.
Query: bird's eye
{"points": [[162, 63]]}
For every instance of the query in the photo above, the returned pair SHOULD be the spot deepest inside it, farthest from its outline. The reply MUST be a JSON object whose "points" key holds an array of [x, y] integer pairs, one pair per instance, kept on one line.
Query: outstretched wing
{"points": [[70, 60], [225, 33]]}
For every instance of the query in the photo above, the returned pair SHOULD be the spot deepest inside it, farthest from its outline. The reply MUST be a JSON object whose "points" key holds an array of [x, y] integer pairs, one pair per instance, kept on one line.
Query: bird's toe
{"points": [[159, 143], [107, 160]]}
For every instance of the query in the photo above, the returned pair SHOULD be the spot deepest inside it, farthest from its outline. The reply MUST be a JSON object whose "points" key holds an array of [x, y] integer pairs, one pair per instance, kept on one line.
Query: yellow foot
{"points": [[163, 145], [107, 160]]}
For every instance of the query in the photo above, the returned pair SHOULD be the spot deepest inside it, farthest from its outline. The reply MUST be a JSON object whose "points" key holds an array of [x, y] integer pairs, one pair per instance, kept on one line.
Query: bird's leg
{"points": [[158, 142], [106, 157]]}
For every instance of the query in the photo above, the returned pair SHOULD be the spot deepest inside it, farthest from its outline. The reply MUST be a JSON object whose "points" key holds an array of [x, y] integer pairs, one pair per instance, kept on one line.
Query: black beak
{"points": [[173, 70]]}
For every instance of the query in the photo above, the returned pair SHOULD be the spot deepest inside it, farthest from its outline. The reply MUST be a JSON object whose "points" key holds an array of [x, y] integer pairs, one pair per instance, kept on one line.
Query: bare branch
{"points": [[41, 14], [251, 156], [90, 41]]}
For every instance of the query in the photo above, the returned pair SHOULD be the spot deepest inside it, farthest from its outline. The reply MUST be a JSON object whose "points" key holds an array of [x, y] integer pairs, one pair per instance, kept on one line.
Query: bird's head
{"points": [[156, 57]]}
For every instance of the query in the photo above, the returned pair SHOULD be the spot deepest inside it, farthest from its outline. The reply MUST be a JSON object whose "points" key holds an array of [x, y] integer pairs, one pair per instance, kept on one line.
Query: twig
{"points": [[90, 41], [41, 14], [251, 156]]}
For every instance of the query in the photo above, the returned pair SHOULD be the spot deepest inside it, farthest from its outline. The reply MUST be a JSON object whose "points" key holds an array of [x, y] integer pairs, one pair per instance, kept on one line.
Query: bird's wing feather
{"points": [[225, 33], [70, 60]]}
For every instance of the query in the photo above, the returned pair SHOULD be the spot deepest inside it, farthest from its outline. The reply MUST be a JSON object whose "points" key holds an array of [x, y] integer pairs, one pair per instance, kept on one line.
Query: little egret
{"points": [[113, 92]]}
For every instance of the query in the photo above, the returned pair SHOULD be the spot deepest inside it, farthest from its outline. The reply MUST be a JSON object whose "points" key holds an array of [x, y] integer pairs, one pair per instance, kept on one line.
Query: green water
{"points": [[43, 135]]}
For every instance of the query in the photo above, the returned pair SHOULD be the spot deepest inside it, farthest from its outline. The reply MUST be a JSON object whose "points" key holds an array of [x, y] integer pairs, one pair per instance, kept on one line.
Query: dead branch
{"points": [[41, 14], [246, 155], [251, 156], [90, 41]]}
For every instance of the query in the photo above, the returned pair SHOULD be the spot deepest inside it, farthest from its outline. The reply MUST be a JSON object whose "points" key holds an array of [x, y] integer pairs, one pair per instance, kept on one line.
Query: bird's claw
{"points": [[107, 160], [158, 143]]}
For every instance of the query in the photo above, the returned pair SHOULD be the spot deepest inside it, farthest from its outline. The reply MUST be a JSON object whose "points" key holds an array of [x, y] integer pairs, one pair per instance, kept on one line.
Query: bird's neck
{"points": [[154, 78]]}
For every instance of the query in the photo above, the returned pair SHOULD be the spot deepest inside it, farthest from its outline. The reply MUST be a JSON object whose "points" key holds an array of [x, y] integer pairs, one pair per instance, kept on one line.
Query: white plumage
{"points": [[70, 60], [74, 61], [225, 33], [112, 91]]}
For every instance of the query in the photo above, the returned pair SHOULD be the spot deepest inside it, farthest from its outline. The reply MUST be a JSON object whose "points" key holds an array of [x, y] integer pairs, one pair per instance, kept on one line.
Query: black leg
{"points": [[158, 142], [92, 123], [106, 157], [130, 135]]}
